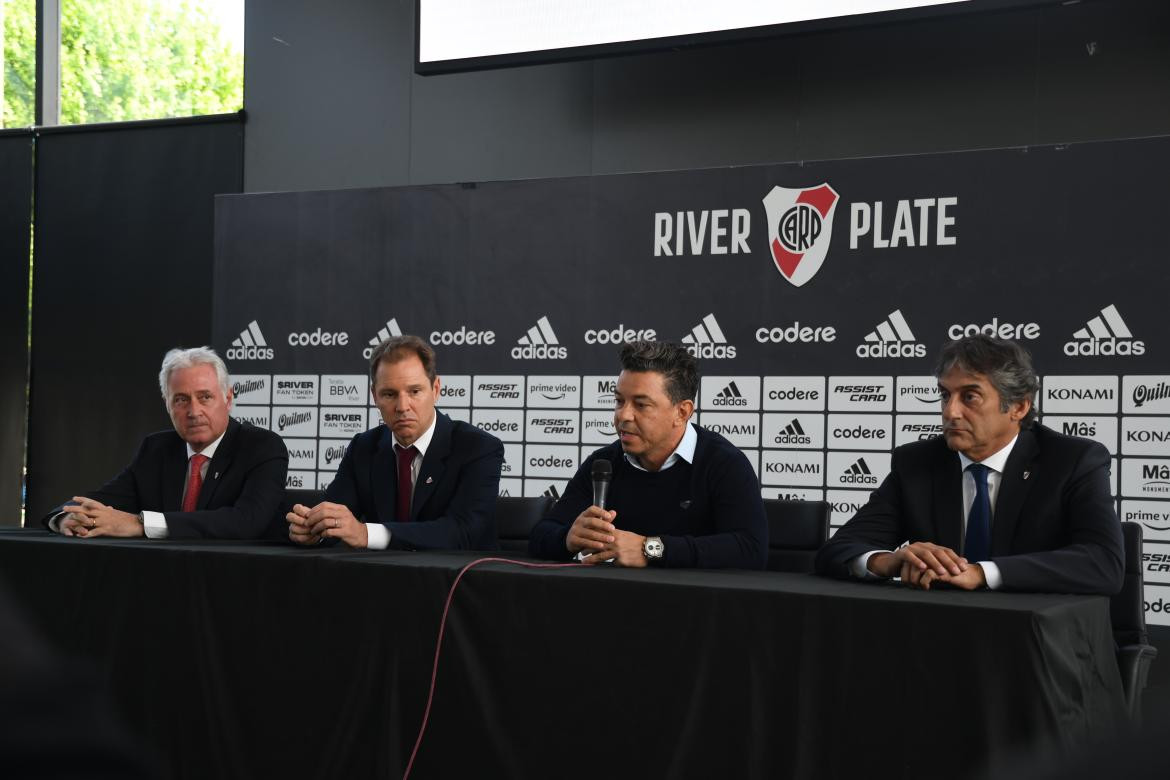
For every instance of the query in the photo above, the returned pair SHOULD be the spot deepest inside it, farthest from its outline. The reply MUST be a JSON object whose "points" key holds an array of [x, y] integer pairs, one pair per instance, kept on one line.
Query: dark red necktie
{"points": [[194, 483], [405, 483]]}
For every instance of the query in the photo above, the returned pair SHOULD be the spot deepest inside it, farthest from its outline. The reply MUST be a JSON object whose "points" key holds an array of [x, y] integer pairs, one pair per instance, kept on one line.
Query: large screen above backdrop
{"points": [[815, 296], [467, 34]]}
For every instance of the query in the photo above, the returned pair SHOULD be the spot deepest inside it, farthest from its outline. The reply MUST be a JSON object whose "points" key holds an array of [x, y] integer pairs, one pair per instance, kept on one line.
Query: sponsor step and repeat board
{"points": [[814, 295]]}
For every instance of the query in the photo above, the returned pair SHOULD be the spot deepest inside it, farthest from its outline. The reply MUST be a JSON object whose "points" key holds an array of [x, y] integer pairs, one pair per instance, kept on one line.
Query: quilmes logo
{"points": [[858, 474], [389, 331], [1141, 394], [706, 340], [1105, 334], [539, 343], [800, 227], [891, 338], [250, 345]]}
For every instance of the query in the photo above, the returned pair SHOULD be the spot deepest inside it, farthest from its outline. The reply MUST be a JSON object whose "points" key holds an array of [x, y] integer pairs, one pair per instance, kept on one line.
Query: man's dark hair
{"points": [[394, 349], [680, 374], [1007, 366]]}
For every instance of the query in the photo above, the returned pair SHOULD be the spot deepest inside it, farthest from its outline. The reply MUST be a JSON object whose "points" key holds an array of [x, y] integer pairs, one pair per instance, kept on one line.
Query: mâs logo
{"points": [[390, 330], [1157, 477], [892, 338], [706, 340], [800, 227], [539, 343], [619, 335], [1106, 334], [250, 345]]}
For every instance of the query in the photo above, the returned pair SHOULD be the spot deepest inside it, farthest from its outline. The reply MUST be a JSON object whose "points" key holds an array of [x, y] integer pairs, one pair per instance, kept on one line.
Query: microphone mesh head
{"points": [[602, 469]]}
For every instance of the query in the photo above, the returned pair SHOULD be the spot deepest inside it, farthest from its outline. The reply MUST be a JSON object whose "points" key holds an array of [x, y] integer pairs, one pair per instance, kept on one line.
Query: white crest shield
{"points": [[800, 227]]}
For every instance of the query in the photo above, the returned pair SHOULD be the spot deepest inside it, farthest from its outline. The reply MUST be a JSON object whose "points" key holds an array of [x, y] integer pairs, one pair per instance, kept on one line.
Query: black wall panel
{"points": [[123, 272], [16, 165]]}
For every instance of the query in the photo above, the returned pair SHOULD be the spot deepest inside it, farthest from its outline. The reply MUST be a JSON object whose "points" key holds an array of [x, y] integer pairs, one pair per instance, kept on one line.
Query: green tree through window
{"points": [[127, 59]]}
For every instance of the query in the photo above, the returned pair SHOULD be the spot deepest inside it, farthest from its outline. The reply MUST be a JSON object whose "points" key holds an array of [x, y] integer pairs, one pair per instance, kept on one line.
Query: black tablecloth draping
{"points": [[242, 661]]}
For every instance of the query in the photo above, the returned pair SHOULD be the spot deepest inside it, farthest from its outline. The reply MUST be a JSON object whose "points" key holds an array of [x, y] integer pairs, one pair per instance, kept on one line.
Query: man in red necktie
{"points": [[421, 481], [211, 477]]}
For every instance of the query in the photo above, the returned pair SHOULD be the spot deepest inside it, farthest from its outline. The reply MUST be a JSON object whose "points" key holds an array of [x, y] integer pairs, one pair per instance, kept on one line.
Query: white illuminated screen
{"points": [[462, 29]]}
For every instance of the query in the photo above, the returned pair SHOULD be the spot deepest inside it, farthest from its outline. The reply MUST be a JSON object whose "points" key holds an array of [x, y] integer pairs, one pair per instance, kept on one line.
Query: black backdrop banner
{"points": [[123, 273], [815, 295], [16, 171]]}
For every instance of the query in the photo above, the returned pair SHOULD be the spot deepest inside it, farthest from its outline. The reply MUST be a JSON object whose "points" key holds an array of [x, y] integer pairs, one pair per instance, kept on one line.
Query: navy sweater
{"points": [[709, 513]]}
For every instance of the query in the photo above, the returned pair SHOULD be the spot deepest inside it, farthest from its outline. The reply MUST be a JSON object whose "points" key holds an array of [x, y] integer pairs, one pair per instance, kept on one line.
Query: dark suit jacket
{"points": [[240, 496], [1054, 526], [454, 496]]}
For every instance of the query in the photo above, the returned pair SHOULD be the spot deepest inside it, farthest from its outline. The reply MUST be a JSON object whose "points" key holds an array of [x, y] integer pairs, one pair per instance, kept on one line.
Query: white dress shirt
{"points": [[859, 567], [685, 450], [154, 524], [378, 535]]}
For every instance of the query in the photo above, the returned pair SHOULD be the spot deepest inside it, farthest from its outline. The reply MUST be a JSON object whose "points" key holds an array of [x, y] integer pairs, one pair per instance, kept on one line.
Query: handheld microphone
{"points": [[602, 476]]}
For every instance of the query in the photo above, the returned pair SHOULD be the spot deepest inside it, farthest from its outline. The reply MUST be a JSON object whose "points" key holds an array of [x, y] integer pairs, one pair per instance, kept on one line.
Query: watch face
{"points": [[653, 548]]}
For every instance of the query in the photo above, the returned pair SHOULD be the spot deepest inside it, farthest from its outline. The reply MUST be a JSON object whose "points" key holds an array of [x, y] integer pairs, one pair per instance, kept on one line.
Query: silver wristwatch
{"points": [[653, 548]]}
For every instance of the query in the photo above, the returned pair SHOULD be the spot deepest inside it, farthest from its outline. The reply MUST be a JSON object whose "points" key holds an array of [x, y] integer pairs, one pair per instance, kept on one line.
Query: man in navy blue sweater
{"points": [[681, 496]]}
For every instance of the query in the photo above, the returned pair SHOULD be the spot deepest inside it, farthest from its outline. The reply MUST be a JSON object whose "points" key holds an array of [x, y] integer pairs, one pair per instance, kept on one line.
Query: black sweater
{"points": [[709, 513]]}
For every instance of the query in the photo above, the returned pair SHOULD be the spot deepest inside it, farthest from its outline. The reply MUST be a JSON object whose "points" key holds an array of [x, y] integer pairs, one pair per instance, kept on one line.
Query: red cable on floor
{"points": [[442, 626]]}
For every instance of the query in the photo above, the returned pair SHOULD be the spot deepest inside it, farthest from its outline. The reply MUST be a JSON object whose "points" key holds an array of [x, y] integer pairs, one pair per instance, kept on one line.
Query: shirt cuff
{"points": [[992, 575], [55, 522], [154, 525], [377, 536], [859, 566]]}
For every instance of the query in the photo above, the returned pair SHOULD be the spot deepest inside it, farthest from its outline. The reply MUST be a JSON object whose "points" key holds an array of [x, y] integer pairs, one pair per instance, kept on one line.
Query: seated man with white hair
{"points": [[212, 477]]}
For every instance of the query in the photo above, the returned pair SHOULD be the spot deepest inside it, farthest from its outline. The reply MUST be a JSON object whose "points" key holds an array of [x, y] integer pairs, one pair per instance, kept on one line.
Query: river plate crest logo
{"points": [[800, 227]]}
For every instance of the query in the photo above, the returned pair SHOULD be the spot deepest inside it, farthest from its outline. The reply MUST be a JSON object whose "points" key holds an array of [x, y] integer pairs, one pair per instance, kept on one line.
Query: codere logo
{"points": [[706, 340], [250, 345], [1106, 334], [389, 331], [729, 396], [540, 343], [859, 474], [891, 338]]}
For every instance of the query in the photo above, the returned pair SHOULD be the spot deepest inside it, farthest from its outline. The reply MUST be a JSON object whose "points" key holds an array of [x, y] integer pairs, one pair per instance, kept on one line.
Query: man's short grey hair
{"points": [[1006, 364], [189, 358]]}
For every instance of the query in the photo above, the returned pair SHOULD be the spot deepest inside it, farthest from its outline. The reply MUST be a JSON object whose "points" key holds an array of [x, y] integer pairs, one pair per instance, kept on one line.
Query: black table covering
{"points": [[241, 661]]}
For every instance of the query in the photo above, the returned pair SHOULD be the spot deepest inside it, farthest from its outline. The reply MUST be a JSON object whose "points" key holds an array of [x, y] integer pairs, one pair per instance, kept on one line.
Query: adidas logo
{"points": [[390, 331], [552, 493], [539, 343], [793, 433], [504, 493], [858, 474], [1105, 334], [729, 396], [706, 340], [250, 345], [891, 338]]}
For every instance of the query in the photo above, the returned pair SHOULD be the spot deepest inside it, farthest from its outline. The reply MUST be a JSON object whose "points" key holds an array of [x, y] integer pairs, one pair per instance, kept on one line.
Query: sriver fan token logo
{"points": [[800, 227]]}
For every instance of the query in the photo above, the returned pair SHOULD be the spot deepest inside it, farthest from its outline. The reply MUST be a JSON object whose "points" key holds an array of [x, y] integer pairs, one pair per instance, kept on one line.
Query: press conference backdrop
{"points": [[815, 295]]}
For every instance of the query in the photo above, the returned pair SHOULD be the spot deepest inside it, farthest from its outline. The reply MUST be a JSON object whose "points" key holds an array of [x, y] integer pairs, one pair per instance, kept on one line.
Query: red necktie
{"points": [[194, 483], [405, 483]]}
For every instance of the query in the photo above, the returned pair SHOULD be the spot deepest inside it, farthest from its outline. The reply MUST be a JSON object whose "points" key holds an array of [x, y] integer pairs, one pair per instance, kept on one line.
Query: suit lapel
{"points": [[433, 464], [174, 475], [948, 499], [224, 454], [384, 478], [1013, 489]]}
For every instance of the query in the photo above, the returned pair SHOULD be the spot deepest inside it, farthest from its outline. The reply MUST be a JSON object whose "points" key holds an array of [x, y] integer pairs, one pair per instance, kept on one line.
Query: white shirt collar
{"points": [[424, 441], [210, 449], [684, 450], [994, 462]]}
